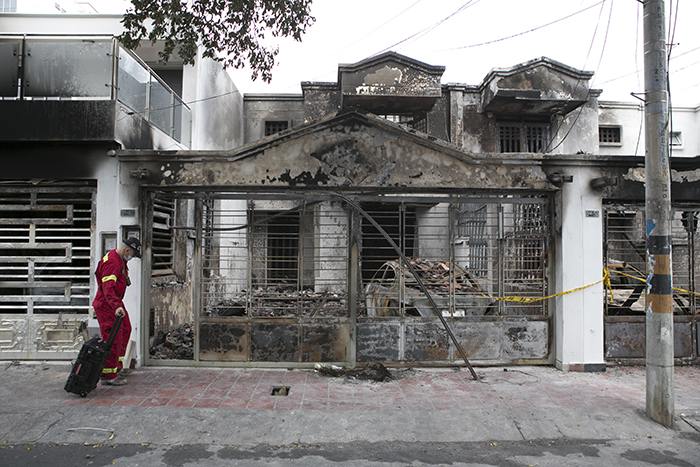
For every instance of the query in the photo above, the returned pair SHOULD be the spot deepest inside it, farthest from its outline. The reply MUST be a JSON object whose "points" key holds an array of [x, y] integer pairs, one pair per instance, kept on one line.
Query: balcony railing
{"points": [[90, 68]]}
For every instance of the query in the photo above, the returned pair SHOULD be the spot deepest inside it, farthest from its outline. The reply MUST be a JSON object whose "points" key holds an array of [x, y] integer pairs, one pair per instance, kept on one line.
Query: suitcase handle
{"points": [[115, 328]]}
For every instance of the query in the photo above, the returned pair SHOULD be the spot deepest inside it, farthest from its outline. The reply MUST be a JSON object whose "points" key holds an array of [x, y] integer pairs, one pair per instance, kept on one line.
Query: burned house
{"points": [[288, 241]]}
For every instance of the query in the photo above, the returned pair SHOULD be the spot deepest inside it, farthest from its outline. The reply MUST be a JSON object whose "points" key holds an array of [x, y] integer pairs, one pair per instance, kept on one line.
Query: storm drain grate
{"points": [[280, 390]]}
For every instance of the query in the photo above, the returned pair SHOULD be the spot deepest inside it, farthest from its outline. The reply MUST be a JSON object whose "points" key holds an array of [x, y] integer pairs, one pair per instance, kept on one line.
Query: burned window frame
{"points": [[530, 137], [273, 127]]}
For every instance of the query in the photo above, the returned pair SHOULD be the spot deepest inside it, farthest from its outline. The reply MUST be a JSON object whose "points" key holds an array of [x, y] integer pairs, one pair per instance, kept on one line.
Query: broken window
{"points": [[609, 134], [272, 127]]}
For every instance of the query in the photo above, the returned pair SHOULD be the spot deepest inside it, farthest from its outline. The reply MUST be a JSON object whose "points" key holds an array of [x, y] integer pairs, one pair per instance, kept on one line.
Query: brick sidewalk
{"points": [[420, 389]]}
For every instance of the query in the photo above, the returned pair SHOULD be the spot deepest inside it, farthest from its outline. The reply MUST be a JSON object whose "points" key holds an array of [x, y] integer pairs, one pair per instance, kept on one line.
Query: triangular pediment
{"points": [[351, 150]]}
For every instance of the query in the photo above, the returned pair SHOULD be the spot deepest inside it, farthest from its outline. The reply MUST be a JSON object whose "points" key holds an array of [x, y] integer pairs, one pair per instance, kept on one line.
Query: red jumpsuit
{"points": [[112, 279]]}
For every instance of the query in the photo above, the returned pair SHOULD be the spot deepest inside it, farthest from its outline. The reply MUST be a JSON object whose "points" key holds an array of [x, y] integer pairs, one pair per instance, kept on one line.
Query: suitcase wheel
{"points": [[83, 394]]}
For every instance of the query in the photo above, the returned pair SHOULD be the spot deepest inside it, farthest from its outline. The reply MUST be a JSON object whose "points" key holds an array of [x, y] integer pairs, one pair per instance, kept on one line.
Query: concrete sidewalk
{"points": [[179, 406]]}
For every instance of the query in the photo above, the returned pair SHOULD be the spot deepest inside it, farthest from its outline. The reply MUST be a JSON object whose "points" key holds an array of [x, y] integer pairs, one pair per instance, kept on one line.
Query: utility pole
{"points": [[659, 291]]}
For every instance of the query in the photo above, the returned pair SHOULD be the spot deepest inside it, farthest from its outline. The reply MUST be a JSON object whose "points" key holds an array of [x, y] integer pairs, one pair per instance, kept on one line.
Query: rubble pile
{"points": [[436, 276], [280, 301], [175, 345]]}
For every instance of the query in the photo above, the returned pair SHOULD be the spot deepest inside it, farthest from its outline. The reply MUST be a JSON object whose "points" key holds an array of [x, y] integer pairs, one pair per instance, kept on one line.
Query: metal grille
{"points": [[509, 138], [625, 252], [523, 137], [537, 138], [274, 258], [609, 134], [466, 253], [272, 127], [45, 249], [162, 237]]}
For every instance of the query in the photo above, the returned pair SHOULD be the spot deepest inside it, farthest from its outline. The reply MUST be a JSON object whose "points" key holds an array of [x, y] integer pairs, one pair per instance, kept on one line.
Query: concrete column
{"points": [[579, 320], [659, 294]]}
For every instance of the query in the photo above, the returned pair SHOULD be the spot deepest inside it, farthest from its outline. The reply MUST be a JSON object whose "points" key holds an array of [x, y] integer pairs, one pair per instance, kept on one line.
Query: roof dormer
{"points": [[536, 89], [390, 83]]}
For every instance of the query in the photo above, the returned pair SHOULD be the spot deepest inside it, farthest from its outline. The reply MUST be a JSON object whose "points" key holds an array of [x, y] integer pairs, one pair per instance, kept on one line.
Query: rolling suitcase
{"points": [[91, 360]]}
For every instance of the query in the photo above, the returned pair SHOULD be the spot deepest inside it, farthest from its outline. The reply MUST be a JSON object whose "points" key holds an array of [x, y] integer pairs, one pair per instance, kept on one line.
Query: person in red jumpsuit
{"points": [[112, 280]]}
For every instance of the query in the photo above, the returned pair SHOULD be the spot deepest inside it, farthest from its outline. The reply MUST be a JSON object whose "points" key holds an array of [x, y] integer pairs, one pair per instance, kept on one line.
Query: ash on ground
{"points": [[178, 344], [372, 372]]}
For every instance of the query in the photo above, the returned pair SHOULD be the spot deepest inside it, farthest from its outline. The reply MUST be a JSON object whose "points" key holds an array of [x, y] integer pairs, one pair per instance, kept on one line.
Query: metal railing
{"points": [[36, 67]]}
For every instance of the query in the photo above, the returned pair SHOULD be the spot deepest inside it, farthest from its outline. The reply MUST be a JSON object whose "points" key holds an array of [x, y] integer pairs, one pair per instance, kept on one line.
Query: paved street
{"points": [[517, 416]]}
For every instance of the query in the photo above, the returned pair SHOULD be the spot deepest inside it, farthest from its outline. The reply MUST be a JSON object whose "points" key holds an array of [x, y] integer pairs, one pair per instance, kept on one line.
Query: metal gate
{"points": [[468, 251], [299, 278], [625, 254], [46, 240]]}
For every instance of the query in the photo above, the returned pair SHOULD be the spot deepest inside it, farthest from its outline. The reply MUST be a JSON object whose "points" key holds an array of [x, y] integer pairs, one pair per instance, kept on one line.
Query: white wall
{"points": [[630, 117], [217, 106], [112, 197]]}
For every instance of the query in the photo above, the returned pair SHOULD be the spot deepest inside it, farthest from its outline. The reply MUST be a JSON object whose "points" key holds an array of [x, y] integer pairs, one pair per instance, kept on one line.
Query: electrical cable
{"points": [[426, 30], [524, 32], [669, 46], [372, 31], [549, 149]]}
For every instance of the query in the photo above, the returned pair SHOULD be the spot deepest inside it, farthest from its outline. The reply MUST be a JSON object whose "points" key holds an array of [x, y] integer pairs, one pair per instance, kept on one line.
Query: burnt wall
{"points": [[54, 161], [37, 120], [258, 109], [349, 152], [320, 101]]}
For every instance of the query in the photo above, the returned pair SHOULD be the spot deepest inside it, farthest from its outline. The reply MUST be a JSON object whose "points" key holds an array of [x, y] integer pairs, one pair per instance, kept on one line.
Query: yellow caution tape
{"points": [[640, 279], [605, 279]]}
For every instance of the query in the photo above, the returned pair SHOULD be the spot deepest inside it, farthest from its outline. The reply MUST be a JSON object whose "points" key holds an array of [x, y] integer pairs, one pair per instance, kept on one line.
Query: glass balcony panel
{"points": [[134, 81], [177, 121], [9, 54], [186, 125], [161, 107], [68, 69]]}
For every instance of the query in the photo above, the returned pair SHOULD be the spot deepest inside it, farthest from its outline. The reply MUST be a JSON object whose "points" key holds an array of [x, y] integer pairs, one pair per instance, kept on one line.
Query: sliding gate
{"points": [[298, 278]]}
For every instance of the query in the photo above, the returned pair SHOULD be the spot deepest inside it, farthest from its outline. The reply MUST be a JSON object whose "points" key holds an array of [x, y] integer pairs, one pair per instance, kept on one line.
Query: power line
{"points": [[524, 32], [372, 31], [426, 30], [578, 81]]}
